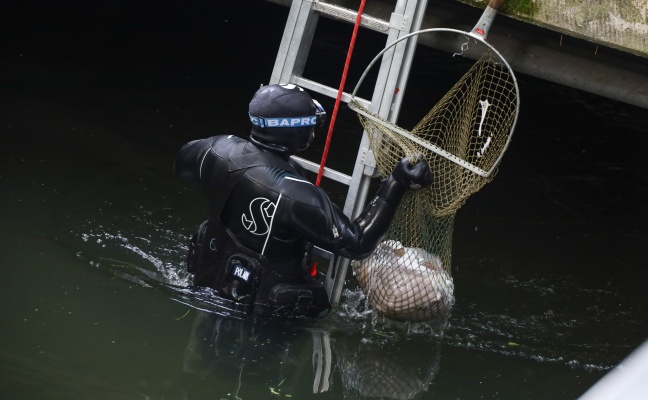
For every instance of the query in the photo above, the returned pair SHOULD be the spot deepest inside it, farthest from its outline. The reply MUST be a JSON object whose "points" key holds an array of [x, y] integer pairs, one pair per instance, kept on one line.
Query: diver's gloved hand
{"points": [[374, 221], [413, 176]]}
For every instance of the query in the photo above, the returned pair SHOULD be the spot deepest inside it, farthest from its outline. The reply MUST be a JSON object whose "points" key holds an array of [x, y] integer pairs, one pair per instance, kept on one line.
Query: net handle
{"points": [[496, 4], [486, 20]]}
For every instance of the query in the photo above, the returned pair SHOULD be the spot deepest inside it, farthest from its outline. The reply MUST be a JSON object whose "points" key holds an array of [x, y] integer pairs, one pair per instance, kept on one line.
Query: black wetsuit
{"points": [[263, 214]]}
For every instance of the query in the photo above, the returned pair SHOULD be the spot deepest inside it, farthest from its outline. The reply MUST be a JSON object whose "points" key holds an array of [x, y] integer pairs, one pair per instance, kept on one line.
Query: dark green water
{"points": [[549, 258]]}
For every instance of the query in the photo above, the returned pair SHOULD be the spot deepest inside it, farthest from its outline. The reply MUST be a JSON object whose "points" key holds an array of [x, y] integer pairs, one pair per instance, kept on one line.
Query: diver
{"points": [[265, 216]]}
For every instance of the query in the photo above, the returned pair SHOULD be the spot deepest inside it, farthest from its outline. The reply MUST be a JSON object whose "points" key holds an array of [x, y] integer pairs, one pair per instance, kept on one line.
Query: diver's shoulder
{"points": [[225, 140], [300, 190], [274, 176]]}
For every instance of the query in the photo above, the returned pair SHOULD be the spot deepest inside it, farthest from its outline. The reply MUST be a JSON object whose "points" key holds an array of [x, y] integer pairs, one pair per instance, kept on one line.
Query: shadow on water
{"points": [[548, 258]]}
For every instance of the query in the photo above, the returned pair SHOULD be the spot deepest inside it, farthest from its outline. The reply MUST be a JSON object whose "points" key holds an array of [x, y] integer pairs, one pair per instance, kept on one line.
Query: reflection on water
{"points": [[290, 359], [389, 370]]}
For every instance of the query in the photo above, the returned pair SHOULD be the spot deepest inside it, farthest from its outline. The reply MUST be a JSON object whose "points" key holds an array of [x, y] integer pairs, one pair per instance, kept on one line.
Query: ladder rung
{"points": [[326, 90], [348, 15], [328, 173], [318, 251]]}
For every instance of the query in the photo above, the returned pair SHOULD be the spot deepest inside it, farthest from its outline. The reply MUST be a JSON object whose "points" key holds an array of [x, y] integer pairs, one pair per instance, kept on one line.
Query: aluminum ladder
{"points": [[393, 73]]}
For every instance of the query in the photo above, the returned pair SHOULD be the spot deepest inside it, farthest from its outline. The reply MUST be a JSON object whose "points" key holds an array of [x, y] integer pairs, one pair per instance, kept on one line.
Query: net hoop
{"points": [[355, 106]]}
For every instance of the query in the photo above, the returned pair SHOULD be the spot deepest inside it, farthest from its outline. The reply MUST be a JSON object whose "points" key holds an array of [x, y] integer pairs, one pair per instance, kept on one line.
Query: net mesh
{"points": [[462, 138]]}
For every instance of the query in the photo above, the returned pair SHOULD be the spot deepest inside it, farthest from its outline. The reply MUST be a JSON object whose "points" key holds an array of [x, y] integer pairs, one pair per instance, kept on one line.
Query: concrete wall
{"points": [[620, 24], [599, 46]]}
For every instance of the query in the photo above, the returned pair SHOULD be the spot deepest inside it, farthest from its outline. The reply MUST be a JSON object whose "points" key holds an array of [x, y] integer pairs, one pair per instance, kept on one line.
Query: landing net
{"points": [[463, 138]]}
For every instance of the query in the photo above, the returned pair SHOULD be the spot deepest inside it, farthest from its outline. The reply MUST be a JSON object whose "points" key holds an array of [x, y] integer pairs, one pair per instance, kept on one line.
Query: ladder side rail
{"points": [[380, 101], [404, 71], [393, 71], [356, 199], [389, 76], [295, 42], [396, 62]]}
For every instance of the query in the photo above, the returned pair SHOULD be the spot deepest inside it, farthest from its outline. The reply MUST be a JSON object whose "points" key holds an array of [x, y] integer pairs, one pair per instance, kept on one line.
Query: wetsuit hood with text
{"points": [[284, 118]]}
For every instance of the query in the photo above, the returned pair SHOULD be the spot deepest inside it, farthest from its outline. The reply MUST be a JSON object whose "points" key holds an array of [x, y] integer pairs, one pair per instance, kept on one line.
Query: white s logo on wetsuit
{"points": [[258, 219]]}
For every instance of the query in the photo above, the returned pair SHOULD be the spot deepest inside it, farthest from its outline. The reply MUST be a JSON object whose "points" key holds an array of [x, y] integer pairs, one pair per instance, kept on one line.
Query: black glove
{"points": [[412, 176], [370, 227]]}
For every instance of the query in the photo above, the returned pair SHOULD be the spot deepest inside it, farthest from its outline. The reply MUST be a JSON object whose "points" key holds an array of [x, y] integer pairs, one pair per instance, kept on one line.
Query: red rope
{"points": [[339, 94]]}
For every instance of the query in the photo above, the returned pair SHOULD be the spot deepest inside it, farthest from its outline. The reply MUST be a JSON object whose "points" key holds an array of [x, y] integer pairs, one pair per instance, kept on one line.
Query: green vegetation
{"points": [[522, 8]]}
